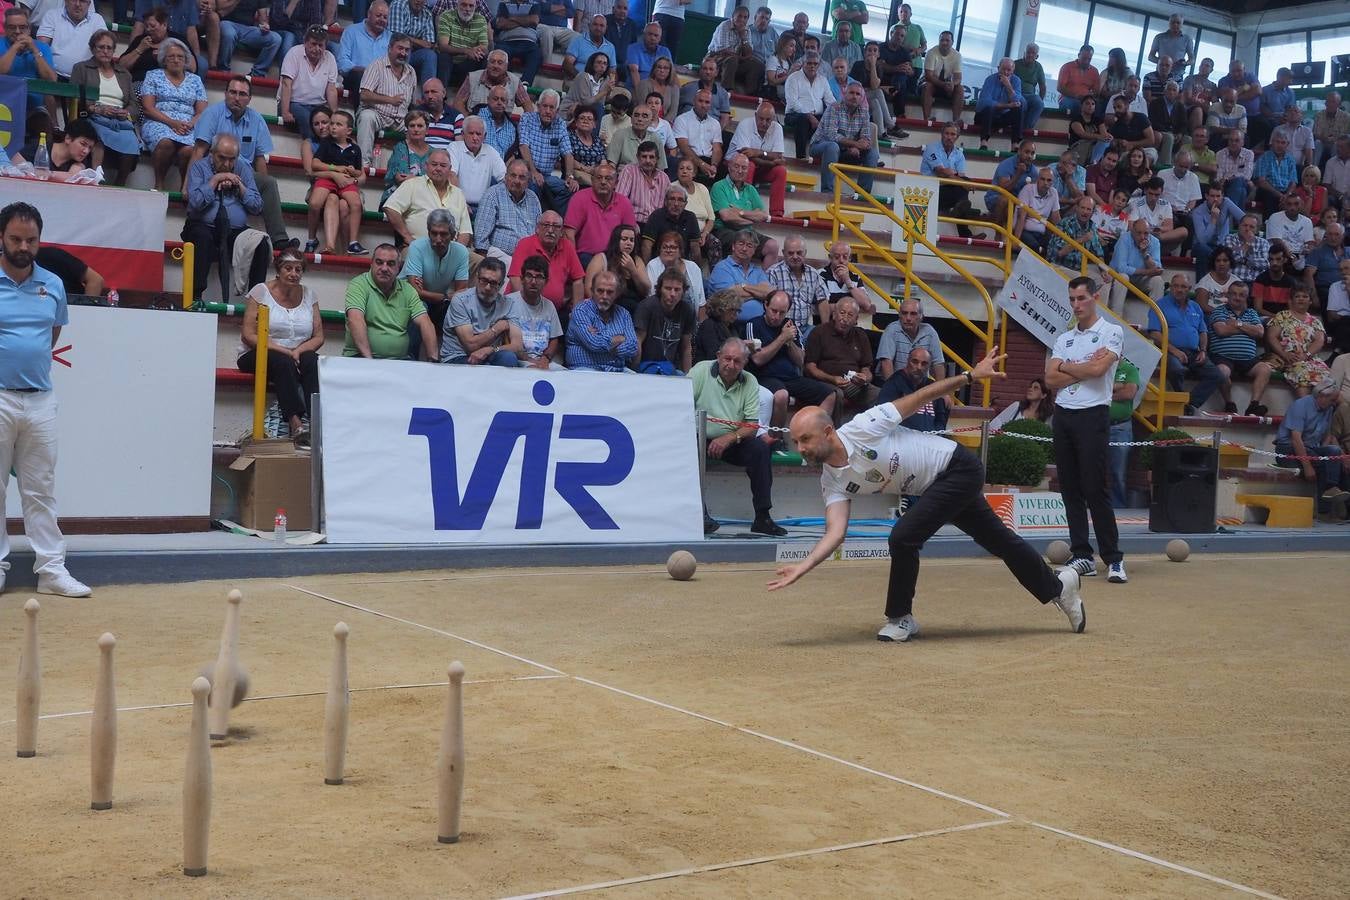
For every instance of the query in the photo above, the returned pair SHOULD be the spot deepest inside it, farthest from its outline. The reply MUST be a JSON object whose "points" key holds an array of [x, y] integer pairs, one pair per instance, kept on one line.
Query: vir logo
{"points": [[467, 512]]}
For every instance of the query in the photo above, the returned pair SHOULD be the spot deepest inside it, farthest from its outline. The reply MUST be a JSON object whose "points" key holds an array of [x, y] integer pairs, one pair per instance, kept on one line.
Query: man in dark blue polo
{"points": [[32, 311]]}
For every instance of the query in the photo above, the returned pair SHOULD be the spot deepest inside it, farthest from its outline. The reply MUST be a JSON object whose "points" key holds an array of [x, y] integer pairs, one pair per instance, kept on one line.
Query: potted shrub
{"points": [[1016, 461]]}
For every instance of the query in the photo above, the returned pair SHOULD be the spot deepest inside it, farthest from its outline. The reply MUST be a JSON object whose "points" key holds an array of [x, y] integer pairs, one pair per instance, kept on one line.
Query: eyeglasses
{"points": [[489, 282], [550, 224]]}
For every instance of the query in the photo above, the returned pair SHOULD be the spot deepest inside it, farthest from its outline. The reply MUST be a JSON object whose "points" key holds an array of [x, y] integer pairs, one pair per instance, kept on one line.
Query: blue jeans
{"points": [[1237, 191], [505, 358], [829, 153], [528, 51], [1068, 105], [1328, 472], [1119, 458], [424, 63], [302, 113], [1032, 106], [265, 45], [553, 195]]}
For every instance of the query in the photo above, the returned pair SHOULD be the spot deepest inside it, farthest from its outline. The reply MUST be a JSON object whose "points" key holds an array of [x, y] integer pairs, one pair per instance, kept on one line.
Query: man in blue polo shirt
{"points": [[32, 311], [944, 159], [234, 116], [23, 57], [1187, 342]]}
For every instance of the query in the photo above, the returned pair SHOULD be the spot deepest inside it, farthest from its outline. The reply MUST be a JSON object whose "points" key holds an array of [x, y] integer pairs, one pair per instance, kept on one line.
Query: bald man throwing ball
{"points": [[874, 454]]}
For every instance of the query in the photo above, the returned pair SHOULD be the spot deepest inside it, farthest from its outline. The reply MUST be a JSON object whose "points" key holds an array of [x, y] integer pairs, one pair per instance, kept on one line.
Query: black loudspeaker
{"points": [[1185, 482]]}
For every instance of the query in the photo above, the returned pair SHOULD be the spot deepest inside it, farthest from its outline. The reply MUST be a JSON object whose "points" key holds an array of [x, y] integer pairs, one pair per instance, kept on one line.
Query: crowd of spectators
{"points": [[630, 203]]}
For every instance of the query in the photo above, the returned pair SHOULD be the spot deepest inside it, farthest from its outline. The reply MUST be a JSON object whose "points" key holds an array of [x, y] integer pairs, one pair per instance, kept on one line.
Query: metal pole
{"points": [[984, 444], [260, 376], [316, 466]]}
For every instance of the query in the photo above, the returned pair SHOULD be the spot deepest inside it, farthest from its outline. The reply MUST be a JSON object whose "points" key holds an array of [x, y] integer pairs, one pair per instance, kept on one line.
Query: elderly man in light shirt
{"points": [[475, 165], [407, 208]]}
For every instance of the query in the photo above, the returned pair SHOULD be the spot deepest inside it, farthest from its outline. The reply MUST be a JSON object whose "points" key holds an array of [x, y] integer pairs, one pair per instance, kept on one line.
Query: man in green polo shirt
{"points": [[724, 390], [851, 11], [1123, 392], [380, 308], [737, 204]]}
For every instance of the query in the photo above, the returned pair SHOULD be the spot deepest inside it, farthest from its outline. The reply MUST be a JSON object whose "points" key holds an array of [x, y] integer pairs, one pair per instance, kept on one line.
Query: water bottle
{"points": [[113, 298], [42, 160], [279, 527]]}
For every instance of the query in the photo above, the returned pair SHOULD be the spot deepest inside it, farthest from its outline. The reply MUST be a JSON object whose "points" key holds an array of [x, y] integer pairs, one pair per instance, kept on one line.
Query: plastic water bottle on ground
{"points": [[113, 298], [279, 527]]}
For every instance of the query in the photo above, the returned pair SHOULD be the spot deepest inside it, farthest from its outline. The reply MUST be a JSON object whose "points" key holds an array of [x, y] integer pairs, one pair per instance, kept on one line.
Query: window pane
{"points": [[1218, 46], [1277, 51], [1113, 27], [977, 36], [1329, 42], [1060, 32], [935, 18]]}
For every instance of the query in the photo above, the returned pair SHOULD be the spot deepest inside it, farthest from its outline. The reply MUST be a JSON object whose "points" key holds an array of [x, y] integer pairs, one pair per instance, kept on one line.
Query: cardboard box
{"points": [[274, 475]]}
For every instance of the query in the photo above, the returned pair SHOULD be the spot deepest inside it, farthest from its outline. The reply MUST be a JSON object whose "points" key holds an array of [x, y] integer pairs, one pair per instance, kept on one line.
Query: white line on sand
{"points": [[741, 863]]}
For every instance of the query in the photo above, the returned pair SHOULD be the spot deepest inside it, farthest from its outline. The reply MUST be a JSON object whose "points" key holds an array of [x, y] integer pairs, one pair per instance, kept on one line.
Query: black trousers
{"points": [[1081, 439], [204, 237], [957, 498], [753, 455], [992, 117], [293, 384], [802, 131]]}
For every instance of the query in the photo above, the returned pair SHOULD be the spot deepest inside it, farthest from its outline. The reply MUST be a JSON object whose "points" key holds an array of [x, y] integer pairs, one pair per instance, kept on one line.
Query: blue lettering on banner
{"points": [[468, 512]]}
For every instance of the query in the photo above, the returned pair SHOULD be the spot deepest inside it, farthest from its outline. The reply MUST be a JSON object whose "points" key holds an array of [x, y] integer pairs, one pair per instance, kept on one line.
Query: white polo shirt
{"points": [[701, 134], [476, 173], [69, 40], [884, 457], [1076, 346]]}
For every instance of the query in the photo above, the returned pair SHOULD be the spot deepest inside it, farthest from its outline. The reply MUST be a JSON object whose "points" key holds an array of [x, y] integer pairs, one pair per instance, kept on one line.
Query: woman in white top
{"points": [[294, 336], [700, 202], [780, 65], [670, 254], [1211, 292], [1038, 404]]}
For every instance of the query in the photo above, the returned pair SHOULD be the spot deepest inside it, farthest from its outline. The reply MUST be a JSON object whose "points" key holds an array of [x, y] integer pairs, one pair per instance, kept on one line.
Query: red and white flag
{"points": [[118, 232]]}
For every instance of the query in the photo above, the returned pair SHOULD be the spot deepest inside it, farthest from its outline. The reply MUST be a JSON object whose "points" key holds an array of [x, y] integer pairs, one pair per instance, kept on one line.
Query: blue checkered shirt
{"points": [[805, 294], [503, 138], [589, 338], [402, 20], [501, 222], [547, 145], [840, 124]]}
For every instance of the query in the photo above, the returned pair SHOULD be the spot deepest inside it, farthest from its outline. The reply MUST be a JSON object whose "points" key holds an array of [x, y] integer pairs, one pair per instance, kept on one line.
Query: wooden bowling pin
{"points": [[227, 665], [450, 764], [197, 785], [29, 692], [335, 711], [103, 729]]}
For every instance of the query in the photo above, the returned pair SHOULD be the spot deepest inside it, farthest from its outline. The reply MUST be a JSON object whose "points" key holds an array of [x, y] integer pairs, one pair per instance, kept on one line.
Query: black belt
{"points": [[23, 390]]}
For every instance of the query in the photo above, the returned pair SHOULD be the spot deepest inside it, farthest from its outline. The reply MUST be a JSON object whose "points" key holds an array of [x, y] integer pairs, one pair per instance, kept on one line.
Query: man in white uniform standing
{"points": [[873, 454], [1082, 371]]}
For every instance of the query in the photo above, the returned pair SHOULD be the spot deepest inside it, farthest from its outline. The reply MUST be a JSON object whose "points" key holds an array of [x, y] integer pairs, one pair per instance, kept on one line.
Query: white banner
{"points": [[418, 453], [916, 201], [1037, 297], [117, 232], [137, 393], [1032, 512]]}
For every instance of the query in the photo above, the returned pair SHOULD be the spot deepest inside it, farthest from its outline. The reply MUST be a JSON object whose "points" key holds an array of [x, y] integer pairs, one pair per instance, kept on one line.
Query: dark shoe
{"points": [[288, 244], [766, 525], [1230, 407], [710, 525], [1256, 409]]}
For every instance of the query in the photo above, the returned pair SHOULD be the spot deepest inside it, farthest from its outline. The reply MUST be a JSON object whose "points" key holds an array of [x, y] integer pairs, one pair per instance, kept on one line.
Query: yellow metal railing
{"points": [[260, 375], [187, 255], [866, 203]]}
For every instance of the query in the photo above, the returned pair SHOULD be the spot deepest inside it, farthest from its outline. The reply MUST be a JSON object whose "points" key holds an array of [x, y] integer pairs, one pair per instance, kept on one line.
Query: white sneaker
{"points": [[1070, 600], [898, 630], [62, 584], [1116, 574]]}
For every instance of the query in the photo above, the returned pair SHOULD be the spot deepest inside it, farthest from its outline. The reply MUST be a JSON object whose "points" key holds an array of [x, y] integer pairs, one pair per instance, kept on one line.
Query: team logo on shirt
{"points": [[1095, 339], [1068, 343], [870, 454], [895, 462], [852, 487], [875, 476]]}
